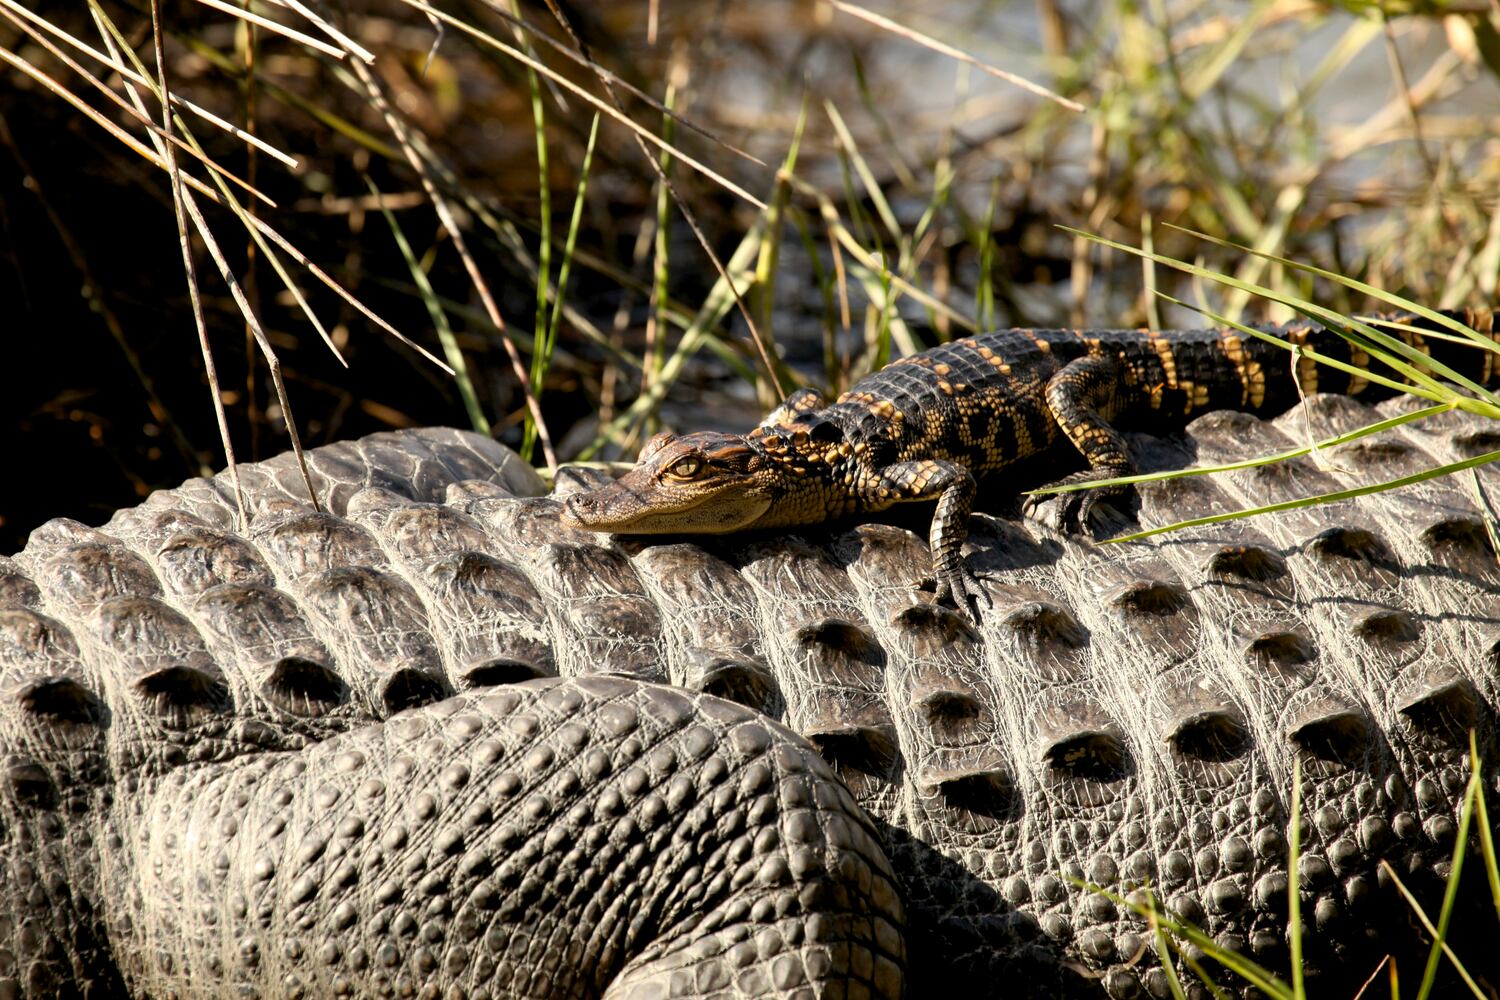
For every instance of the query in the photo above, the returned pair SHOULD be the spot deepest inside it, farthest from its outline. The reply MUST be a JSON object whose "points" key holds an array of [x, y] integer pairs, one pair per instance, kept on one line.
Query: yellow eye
{"points": [[685, 468]]}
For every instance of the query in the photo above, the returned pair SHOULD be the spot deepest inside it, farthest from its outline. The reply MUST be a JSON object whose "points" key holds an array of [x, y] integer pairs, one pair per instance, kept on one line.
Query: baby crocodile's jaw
{"points": [[704, 483]]}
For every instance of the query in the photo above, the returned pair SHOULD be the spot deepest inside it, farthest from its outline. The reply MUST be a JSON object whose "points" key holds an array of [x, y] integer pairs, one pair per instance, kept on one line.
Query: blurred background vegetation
{"points": [[868, 192]]}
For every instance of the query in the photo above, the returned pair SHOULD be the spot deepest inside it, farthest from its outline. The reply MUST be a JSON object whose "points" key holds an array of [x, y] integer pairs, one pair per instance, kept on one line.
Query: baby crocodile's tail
{"points": [[1443, 353]]}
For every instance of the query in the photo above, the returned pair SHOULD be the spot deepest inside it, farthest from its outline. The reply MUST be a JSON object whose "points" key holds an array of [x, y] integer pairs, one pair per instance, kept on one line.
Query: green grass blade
{"points": [[1358, 491], [1333, 320], [564, 270], [1466, 403], [1294, 890], [1315, 312], [889, 320], [1392, 346], [942, 185], [1391, 324], [822, 280], [1257, 976], [698, 334], [1427, 923], [509, 234], [1364, 288], [1485, 271], [1450, 897], [1216, 63], [866, 175], [1350, 44], [291, 99], [880, 289], [1395, 345], [1164, 952], [1250, 463], [1436, 392], [764, 293], [582, 94], [985, 295], [661, 270], [1148, 273], [1163, 949], [897, 155], [1491, 518], [1273, 234], [540, 355], [1205, 978], [121, 46], [1242, 966], [1486, 832], [872, 261], [451, 351]]}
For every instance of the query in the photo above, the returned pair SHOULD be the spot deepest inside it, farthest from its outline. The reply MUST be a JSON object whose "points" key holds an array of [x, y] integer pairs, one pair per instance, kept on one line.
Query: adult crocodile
{"points": [[422, 742]]}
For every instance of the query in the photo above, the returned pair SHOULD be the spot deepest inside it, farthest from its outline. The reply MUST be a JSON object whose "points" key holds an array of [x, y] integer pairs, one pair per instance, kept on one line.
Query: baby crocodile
{"points": [[925, 426]]}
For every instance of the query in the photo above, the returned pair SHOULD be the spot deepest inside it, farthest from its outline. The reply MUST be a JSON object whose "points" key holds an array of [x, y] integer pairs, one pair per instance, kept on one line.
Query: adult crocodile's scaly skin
{"points": [[312, 757]]}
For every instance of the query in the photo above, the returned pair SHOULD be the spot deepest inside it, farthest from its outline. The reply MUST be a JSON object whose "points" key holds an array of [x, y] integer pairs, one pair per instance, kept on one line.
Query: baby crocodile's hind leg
{"points": [[953, 486], [1083, 397]]}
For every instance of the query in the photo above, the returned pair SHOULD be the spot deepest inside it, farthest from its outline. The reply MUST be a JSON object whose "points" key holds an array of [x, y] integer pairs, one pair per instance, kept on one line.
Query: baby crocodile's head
{"points": [[703, 483]]}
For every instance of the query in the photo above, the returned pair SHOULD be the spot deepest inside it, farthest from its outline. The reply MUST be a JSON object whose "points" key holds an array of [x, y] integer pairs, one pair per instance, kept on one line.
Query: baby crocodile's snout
{"points": [[577, 508], [602, 509]]}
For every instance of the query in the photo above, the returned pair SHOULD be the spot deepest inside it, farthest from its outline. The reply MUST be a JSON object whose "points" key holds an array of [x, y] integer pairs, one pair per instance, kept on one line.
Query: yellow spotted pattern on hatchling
{"points": [[927, 426], [984, 402]]}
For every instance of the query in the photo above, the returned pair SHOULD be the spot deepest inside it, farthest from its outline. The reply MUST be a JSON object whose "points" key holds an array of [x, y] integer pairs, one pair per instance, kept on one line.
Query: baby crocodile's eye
{"points": [[685, 468]]}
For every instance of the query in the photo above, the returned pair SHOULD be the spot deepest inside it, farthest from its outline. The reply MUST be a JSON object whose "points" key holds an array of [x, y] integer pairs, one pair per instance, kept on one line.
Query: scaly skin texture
{"points": [[368, 751], [926, 427], [552, 839], [238, 766]]}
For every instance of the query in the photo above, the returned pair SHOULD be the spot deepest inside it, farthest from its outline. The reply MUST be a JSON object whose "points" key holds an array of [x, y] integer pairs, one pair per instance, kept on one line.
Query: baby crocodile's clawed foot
{"points": [[963, 590], [1069, 512]]}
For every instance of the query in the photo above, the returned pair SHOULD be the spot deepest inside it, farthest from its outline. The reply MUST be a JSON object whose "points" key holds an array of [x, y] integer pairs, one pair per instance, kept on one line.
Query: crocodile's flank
{"points": [[927, 426]]}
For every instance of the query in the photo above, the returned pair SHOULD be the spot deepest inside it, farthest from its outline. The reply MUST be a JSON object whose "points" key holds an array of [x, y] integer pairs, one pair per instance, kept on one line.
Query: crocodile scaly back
{"points": [[372, 750]]}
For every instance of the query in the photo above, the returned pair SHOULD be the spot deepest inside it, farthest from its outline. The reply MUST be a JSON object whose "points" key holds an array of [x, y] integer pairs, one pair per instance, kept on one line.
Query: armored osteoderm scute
{"points": [[436, 742]]}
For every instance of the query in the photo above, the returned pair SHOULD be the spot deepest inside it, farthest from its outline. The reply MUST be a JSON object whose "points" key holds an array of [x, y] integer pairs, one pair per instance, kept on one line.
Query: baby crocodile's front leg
{"points": [[953, 487]]}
